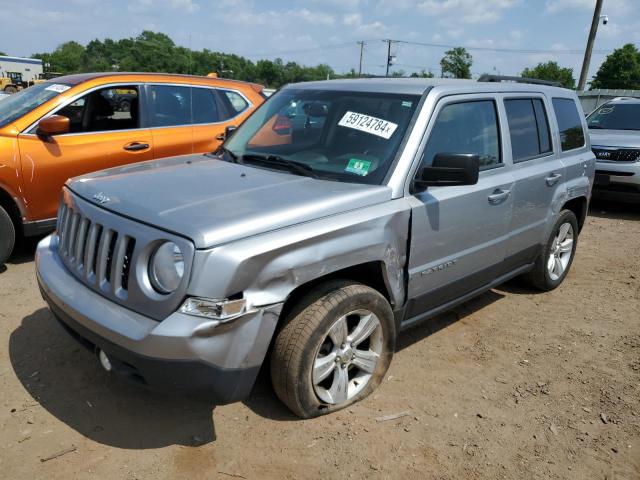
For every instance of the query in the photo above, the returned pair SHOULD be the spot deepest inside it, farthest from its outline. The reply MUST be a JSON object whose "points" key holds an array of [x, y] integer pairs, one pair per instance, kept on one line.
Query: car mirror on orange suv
{"points": [[53, 125]]}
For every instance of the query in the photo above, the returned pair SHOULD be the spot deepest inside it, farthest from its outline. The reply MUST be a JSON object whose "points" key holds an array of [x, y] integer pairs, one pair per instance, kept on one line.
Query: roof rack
{"points": [[504, 78]]}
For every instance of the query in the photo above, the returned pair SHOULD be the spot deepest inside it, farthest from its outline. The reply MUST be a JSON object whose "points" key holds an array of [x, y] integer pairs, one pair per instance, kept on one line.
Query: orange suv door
{"points": [[104, 132]]}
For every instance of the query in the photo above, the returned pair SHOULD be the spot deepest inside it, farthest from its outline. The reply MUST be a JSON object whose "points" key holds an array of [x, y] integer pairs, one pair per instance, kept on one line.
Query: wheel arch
{"points": [[579, 207], [372, 274], [12, 208]]}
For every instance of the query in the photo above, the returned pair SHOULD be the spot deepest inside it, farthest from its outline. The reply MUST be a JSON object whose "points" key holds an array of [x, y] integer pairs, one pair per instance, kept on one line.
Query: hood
{"points": [[212, 201], [615, 138]]}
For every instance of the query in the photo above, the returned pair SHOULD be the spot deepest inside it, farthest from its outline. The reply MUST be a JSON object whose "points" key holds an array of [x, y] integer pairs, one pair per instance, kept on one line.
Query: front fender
{"points": [[266, 268]]}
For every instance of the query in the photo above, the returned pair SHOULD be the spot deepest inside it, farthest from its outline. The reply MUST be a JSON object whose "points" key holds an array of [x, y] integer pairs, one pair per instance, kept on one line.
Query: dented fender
{"points": [[266, 268]]}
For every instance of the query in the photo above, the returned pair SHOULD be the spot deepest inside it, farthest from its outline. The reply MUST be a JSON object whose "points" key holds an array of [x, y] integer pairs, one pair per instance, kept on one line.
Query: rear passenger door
{"points": [[169, 118], [537, 170], [459, 234]]}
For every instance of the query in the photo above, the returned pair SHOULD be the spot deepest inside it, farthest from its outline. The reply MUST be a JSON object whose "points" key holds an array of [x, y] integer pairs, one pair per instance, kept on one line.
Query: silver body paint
{"points": [[263, 234]]}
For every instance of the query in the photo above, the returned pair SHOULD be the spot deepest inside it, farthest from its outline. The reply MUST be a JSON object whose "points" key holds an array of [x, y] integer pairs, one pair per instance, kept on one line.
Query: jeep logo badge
{"points": [[101, 198]]}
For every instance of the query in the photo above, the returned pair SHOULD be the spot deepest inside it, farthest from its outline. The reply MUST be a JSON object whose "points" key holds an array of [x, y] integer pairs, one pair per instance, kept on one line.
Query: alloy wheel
{"points": [[561, 251], [347, 357]]}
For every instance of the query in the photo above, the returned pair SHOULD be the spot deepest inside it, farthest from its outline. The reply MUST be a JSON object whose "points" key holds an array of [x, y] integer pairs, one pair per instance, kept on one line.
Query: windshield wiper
{"points": [[595, 127], [224, 150], [297, 167]]}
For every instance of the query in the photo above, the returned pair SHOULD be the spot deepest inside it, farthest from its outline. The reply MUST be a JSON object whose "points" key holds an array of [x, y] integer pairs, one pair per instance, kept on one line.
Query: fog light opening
{"points": [[104, 361]]}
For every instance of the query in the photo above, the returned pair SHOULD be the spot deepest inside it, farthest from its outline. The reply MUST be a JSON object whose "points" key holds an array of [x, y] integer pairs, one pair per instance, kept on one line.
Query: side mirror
{"points": [[53, 125], [228, 131], [449, 169]]}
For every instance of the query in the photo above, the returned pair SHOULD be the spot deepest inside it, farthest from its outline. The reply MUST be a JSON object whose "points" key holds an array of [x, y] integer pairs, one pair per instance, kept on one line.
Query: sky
{"points": [[327, 31]]}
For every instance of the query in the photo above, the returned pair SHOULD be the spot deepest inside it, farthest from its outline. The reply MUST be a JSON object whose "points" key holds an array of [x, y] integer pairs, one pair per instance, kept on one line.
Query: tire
{"points": [[308, 339], [10, 89], [543, 276], [7, 235], [125, 106]]}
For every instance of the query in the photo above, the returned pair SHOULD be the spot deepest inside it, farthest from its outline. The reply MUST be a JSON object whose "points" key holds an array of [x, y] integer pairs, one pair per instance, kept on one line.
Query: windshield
{"points": [[616, 116], [17, 104], [334, 135]]}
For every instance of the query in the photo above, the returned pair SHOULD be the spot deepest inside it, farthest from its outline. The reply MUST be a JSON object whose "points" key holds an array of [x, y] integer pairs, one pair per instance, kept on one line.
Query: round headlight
{"points": [[166, 268]]}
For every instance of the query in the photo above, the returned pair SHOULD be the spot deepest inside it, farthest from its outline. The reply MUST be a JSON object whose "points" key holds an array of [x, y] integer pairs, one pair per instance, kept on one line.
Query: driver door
{"points": [[459, 233], [101, 136]]}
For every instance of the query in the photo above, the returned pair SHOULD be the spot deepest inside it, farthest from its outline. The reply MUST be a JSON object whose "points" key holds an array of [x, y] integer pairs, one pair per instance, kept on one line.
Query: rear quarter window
{"points": [[569, 124]]}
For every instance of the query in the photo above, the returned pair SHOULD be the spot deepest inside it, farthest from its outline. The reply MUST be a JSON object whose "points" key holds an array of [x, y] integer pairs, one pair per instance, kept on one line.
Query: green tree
{"points": [[621, 69], [553, 72], [156, 52], [422, 74], [67, 58], [456, 63]]}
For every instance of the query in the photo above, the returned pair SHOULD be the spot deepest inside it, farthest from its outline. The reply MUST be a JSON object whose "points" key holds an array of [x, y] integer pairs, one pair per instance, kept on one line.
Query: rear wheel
{"points": [[554, 262], [7, 235], [10, 89], [334, 349]]}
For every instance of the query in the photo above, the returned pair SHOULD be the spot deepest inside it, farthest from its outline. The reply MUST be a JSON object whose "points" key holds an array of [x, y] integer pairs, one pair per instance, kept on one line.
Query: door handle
{"points": [[498, 196], [553, 179], [136, 146]]}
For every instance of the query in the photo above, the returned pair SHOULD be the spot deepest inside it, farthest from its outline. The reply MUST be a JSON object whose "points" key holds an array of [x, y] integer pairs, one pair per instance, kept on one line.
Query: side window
{"points": [[112, 108], [466, 127], [205, 107], [170, 105], [569, 124], [528, 128], [238, 103]]}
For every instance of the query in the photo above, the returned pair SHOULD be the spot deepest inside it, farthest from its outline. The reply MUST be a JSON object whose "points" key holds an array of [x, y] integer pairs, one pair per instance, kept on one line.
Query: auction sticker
{"points": [[56, 87], [367, 123]]}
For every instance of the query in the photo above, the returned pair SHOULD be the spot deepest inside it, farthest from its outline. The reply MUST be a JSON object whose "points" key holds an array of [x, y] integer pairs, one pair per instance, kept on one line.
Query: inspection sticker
{"points": [[359, 167], [56, 87], [366, 123]]}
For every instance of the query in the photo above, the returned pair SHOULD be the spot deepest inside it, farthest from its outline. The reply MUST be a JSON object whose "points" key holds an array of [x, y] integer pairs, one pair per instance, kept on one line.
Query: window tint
{"points": [[544, 137], [571, 133], [205, 107], [170, 105], [112, 108], [467, 127], [238, 103], [528, 128]]}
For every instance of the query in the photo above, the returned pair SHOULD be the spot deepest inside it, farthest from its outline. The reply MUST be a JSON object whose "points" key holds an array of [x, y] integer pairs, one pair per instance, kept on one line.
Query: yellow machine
{"points": [[12, 82]]}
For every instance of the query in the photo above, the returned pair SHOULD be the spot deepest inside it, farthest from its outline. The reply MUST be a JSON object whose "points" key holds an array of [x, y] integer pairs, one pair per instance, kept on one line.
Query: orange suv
{"points": [[77, 124]]}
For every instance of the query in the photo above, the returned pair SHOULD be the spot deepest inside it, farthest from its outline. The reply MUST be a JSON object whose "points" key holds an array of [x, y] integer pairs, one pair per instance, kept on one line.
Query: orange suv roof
{"points": [[78, 78]]}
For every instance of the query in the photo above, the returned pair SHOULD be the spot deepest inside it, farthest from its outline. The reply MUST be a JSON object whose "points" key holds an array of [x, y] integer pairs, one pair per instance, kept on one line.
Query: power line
{"points": [[504, 50]]}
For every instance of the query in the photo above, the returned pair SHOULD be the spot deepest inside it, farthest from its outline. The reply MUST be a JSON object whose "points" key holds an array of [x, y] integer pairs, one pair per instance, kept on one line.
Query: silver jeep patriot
{"points": [[337, 215]]}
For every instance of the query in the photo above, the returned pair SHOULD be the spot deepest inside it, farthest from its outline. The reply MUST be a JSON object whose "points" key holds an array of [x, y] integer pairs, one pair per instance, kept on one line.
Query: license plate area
{"points": [[602, 179]]}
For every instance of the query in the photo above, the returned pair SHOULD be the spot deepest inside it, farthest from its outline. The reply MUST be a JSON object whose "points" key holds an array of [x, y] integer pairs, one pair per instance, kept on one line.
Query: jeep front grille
{"points": [[109, 254], [617, 154], [101, 256]]}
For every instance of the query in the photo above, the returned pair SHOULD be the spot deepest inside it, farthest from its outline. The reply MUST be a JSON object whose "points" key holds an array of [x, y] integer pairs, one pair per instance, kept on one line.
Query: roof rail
{"points": [[504, 78]]}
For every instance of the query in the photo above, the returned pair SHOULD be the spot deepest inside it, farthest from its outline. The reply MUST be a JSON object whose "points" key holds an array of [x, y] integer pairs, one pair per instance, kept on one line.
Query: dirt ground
{"points": [[514, 384]]}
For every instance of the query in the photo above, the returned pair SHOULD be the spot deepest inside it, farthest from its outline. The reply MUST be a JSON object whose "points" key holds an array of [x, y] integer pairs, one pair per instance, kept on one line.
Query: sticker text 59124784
{"points": [[367, 123]]}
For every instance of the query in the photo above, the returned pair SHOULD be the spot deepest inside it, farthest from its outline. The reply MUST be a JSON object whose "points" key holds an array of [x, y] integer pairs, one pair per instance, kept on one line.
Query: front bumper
{"points": [[181, 353], [617, 181]]}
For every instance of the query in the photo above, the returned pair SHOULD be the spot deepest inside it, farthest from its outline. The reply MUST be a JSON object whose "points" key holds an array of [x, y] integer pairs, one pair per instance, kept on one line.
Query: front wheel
{"points": [[7, 235], [556, 257], [334, 348]]}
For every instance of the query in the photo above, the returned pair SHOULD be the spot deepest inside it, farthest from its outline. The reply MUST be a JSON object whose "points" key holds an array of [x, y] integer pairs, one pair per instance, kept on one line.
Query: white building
{"points": [[30, 68]]}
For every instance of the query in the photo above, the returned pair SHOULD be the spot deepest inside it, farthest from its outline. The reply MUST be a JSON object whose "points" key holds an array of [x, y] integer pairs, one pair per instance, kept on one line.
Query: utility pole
{"points": [[361, 43], [388, 57], [590, 40]]}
